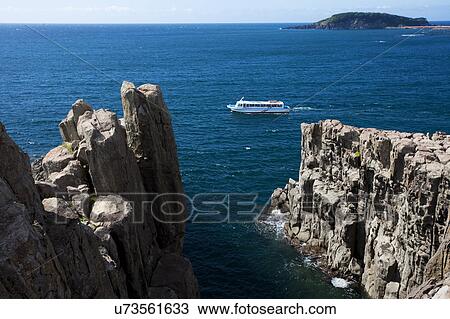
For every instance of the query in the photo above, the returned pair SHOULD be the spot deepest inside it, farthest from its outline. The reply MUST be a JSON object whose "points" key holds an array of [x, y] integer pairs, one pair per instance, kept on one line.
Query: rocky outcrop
{"points": [[151, 138], [375, 205], [27, 265], [85, 228]]}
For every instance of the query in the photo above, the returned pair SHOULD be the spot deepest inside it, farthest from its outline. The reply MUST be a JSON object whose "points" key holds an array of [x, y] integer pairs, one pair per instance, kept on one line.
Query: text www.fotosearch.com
{"points": [[224, 309], [248, 309]]}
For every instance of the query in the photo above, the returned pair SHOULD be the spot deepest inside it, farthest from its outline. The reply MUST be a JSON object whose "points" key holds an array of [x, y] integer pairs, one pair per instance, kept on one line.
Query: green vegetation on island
{"points": [[364, 20]]}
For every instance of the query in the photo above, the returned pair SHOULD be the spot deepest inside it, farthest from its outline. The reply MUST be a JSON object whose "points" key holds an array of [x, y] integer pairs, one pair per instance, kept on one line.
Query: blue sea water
{"points": [[374, 78]]}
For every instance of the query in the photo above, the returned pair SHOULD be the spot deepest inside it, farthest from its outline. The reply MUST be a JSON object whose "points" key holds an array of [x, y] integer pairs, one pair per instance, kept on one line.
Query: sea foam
{"points": [[340, 283]]}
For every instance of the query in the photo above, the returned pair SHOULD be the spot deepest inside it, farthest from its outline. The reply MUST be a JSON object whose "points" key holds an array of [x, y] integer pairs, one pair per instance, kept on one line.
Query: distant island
{"points": [[364, 20]]}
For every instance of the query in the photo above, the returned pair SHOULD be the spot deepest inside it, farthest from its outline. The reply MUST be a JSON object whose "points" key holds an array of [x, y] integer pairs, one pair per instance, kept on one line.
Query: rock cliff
{"points": [[374, 204], [86, 226]]}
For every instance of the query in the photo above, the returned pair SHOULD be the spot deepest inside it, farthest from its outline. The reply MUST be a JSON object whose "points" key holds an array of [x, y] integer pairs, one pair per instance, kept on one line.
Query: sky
{"points": [[207, 11]]}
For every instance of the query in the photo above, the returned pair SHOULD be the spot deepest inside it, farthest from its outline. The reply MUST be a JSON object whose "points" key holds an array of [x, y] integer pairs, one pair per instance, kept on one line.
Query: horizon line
{"points": [[164, 23]]}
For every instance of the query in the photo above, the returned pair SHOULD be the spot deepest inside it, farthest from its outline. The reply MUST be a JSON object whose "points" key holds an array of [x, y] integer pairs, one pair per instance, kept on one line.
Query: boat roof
{"points": [[261, 102]]}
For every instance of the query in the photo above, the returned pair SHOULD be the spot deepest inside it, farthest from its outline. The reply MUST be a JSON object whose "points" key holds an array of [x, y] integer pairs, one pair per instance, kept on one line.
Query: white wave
{"points": [[303, 108], [273, 131], [340, 283], [381, 41], [276, 221], [308, 261], [413, 35]]}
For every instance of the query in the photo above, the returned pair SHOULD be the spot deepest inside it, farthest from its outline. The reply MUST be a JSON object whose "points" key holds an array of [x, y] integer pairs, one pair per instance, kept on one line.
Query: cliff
{"points": [[374, 204], [363, 20], [84, 227]]}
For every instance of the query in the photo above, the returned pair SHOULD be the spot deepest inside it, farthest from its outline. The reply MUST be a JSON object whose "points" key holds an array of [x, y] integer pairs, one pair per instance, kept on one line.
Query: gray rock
{"points": [[28, 266], [81, 203], [16, 172], [112, 165], [110, 209], [130, 244], [57, 159], [59, 207], [47, 189], [162, 293], [442, 293], [73, 175], [38, 171], [68, 127], [391, 291], [83, 245], [150, 137], [175, 272], [377, 203]]}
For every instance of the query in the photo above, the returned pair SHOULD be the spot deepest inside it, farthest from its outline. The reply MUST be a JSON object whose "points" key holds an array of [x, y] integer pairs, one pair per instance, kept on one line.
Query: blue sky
{"points": [[206, 11]]}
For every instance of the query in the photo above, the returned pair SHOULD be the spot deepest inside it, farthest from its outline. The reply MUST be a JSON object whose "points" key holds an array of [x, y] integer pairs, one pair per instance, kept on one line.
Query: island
{"points": [[364, 20]]}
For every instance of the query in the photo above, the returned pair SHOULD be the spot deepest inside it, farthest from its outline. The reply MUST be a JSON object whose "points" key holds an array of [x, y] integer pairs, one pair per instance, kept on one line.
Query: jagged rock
{"points": [[81, 153], [391, 291], [59, 207], [82, 204], [27, 265], [279, 200], [110, 209], [175, 272], [150, 137], [377, 203], [78, 251], [73, 175], [68, 127], [162, 293], [57, 159], [98, 240], [112, 166], [126, 237], [47, 190], [37, 170], [443, 293], [16, 171]]}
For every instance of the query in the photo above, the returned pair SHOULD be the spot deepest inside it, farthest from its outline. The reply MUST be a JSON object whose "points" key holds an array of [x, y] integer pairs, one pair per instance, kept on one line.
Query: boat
{"points": [[259, 107]]}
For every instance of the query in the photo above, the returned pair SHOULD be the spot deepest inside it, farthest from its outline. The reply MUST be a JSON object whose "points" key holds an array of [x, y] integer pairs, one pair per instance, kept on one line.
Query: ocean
{"points": [[388, 79]]}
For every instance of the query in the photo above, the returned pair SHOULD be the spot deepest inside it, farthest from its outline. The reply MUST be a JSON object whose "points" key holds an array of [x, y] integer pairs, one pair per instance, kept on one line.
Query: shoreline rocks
{"points": [[81, 228], [375, 203]]}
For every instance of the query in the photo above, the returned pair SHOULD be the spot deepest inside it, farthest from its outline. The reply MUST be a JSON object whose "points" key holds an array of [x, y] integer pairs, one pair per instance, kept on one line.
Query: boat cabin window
{"points": [[266, 105]]}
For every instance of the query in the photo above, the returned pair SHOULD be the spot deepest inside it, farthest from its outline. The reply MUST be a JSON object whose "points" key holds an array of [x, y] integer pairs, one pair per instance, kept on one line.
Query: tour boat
{"points": [[257, 107]]}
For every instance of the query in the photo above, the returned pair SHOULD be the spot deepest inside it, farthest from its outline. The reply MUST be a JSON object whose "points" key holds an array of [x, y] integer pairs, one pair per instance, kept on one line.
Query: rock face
{"points": [[364, 20], [150, 137], [83, 229], [375, 204]]}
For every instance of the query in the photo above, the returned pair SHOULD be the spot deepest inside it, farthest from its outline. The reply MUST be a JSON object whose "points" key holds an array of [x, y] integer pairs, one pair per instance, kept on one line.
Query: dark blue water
{"points": [[202, 68]]}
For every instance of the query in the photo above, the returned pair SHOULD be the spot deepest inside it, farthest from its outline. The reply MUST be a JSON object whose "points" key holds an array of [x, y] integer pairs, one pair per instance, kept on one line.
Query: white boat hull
{"points": [[259, 110]]}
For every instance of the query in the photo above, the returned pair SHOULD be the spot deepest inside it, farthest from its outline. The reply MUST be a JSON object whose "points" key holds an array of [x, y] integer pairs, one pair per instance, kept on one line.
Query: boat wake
{"points": [[303, 108]]}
